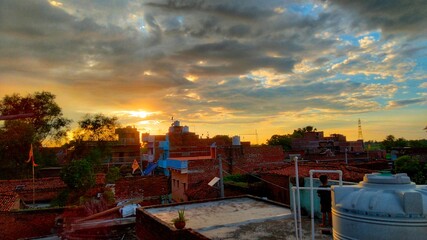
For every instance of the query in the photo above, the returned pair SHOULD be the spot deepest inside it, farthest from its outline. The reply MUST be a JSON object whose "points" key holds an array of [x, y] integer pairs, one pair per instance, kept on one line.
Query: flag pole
{"points": [[34, 191]]}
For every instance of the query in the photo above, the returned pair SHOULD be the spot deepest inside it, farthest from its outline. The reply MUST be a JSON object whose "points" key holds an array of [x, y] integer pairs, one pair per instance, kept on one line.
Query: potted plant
{"points": [[179, 222]]}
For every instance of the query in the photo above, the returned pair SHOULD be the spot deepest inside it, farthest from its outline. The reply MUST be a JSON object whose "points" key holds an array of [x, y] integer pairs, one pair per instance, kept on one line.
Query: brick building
{"points": [[278, 182], [192, 161], [128, 146], [317, 143]]}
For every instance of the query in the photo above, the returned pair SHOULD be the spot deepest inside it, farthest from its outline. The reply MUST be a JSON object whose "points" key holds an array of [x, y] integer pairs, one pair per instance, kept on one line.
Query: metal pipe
{"points": [[298, 196], [295, 213], [220, 176]]}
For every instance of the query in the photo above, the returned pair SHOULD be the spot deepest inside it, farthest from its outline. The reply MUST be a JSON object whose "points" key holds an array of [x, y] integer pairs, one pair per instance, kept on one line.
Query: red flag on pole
{"points": [[135, 166], [31, 156]]}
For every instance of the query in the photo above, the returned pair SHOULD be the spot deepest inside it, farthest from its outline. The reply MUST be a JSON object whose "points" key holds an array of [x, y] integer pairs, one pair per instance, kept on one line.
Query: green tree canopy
{"points": [[47, 120], [300, 131], [97, 127], [411, 166], [78, 175], [391, 142], [282, 140], [286, 140], [16, 135]]}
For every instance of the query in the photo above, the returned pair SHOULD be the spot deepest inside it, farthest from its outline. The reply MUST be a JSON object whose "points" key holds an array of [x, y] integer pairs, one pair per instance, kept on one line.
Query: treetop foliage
{"points": [[48, 120], [97, 127]]}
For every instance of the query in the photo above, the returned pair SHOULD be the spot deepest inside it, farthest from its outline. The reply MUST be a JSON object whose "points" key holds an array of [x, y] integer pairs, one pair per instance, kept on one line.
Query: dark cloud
{"points": [[392, 16], [234, 9], [405, 102]]}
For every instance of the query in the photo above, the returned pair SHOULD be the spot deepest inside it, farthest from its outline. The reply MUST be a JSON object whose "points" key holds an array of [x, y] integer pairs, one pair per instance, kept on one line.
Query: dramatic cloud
{"points": [[274, 65]]}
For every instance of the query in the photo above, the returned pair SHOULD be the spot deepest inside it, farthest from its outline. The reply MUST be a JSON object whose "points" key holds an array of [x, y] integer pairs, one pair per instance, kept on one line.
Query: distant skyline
{"points": [[225, 67]]}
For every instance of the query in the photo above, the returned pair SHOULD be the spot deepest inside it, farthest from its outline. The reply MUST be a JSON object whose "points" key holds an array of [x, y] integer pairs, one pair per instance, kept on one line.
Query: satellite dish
{"points": [[213, 181]]}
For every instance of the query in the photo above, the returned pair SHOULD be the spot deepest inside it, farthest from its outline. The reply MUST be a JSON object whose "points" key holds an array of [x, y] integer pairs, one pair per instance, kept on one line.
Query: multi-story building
{"points": [[128, 146], [192, 161], [317, 143]]}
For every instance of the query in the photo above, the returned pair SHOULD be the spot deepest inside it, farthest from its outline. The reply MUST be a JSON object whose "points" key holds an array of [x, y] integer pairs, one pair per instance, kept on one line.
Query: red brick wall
{"points": [[29, 223], [274, 192], [150, 186], [243, 159], [200, 172]]}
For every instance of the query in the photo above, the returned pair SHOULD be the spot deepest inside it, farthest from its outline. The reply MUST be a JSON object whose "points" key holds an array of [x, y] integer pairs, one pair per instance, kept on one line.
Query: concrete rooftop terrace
{"points": [[232, 218]]}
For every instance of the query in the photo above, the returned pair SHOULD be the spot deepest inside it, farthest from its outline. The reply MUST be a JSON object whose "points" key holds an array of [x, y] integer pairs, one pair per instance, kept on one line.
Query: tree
{"points": [[18, 133], [412, 167], [390, 142], [15, 140], [78, 175], [97, 127], [300, 131], [282, 140], [47, 120], [286, 140], [92, 138]]}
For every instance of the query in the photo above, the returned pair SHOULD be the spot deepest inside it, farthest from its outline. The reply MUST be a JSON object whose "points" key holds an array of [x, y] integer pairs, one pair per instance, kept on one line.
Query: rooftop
{"points": [[232, 218]]}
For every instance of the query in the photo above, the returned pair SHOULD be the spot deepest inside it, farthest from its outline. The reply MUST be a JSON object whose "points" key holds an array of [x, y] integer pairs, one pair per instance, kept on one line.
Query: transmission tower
{"points": [[360, 135]]}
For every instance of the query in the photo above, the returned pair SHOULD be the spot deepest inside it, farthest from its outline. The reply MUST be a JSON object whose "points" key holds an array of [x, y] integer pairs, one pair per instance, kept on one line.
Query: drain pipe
{"points": [[298, 197], [312, 196], [295, 214]]}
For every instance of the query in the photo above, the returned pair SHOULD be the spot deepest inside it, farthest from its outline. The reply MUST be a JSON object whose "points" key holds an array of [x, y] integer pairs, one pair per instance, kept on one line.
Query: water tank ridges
{"points": [[383, 206]]}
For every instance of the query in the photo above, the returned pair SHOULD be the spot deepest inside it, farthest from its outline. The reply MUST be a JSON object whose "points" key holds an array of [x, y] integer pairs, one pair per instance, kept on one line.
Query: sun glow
{"points": [[55, 3], [138, 114]]}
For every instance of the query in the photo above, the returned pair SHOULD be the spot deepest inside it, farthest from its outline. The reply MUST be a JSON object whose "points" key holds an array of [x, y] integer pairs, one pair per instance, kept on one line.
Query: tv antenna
{"points": [[253, 134]]}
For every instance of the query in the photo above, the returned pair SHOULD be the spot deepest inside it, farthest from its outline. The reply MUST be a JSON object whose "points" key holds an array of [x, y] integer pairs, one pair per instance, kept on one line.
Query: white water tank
{"points": [[235, 140], [382, 206], [185, 129]]}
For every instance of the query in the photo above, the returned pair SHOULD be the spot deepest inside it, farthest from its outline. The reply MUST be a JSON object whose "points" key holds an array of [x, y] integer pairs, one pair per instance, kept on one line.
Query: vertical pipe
{"points": [[312, 205], [298, 196], [220, 176], [295, 214]]}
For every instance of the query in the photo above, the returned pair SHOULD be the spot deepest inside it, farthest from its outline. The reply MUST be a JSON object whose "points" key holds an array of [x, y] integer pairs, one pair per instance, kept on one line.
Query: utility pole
{"points": [[221, 179]]}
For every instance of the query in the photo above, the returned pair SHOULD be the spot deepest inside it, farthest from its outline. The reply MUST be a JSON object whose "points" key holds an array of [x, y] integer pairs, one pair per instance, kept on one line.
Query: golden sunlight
{"points": [[55, 3], [191, 78]]}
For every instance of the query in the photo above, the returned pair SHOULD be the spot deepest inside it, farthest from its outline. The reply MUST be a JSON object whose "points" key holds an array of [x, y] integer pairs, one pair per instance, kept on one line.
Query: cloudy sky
{"points": [[225, 67]]}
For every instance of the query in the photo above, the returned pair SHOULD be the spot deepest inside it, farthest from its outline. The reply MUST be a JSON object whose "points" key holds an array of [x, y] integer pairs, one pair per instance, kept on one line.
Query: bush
{"points": [[78, 175], [61, 200], [113, 175]]}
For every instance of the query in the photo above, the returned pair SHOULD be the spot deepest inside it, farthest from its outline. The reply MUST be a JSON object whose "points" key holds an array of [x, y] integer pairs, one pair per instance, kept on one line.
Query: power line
{"points": [[254, 176]]}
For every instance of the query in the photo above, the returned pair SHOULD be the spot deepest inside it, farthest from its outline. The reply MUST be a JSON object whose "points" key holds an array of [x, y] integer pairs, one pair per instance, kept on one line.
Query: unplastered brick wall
{"points": [[200, 172], [28, 223], [245, 159], [45, 189], [137, 187]]}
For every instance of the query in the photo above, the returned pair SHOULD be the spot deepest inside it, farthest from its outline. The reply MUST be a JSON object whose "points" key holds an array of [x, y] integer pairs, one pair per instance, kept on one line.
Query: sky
{"points": [[248, 67]]}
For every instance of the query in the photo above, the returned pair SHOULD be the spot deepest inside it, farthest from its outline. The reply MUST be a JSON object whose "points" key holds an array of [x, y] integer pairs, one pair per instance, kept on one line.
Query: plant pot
{"points": [[179, 225]]}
